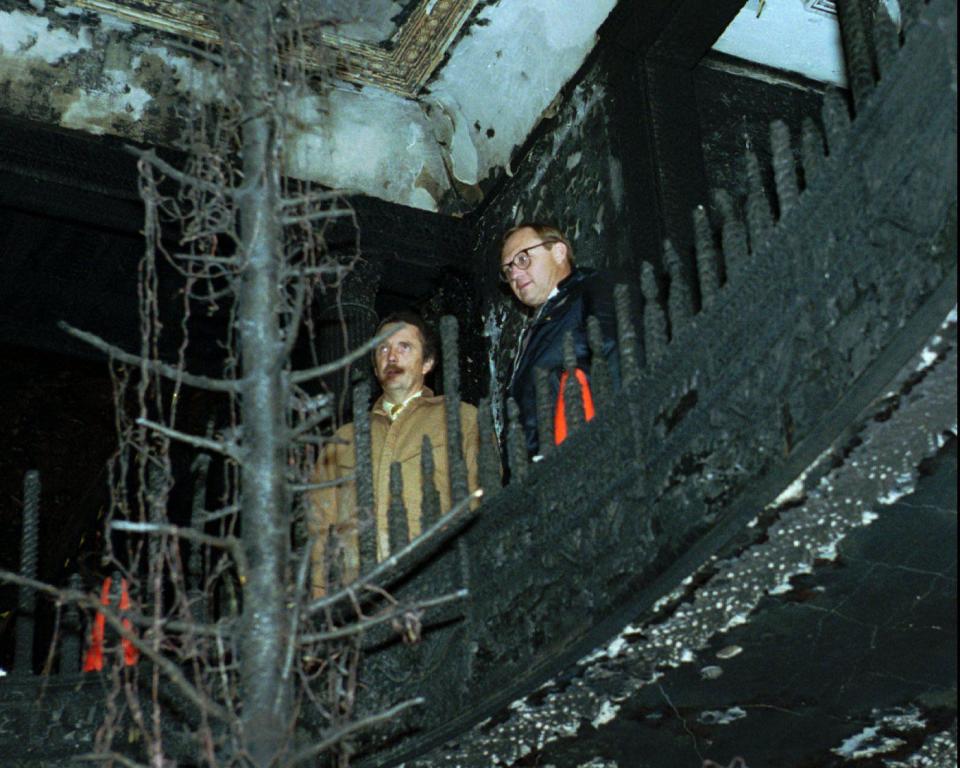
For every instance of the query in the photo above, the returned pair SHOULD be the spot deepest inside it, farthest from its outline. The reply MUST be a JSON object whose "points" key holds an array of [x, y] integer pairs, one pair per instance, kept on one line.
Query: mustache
{"points": [[393, 369]]}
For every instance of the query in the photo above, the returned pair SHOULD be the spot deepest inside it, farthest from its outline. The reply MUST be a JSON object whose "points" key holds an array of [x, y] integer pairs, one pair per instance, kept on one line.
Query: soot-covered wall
{"points": [[578, 171], [736, 102], [605, 166]]}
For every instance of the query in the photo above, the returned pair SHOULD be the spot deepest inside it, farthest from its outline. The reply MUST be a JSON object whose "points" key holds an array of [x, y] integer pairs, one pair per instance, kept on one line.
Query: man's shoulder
{"points": [[345, 432], [436, 402]]}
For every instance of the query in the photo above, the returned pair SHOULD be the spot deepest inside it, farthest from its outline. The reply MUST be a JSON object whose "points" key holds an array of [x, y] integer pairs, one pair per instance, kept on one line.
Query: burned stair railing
{"points": [[71, 629], [27, 596], [797, 296]]}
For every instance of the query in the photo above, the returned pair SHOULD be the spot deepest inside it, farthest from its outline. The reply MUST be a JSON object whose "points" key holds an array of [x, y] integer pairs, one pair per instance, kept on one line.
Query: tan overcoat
{"points": [[400, 440]]}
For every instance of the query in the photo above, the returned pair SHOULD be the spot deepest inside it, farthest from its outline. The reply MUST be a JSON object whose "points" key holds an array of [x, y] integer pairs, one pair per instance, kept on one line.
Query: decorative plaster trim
{"points": [[403, 66]]}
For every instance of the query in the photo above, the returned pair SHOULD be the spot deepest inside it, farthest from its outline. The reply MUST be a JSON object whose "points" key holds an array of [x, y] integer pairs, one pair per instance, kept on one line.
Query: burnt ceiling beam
{"points": [[68, 175], [691, 28]]}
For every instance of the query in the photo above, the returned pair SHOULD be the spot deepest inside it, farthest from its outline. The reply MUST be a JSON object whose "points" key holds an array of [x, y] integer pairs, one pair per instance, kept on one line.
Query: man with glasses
{"points": [[536, 261], [401, 417]]}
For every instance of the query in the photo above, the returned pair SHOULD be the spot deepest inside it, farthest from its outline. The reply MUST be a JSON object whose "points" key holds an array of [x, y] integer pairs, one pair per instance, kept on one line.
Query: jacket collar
{"points": [[425, 394], [564, 288]]}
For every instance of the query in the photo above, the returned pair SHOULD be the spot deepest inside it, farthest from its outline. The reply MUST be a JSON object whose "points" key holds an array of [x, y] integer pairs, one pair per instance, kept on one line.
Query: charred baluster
{"points": [[516, 443], [856, 48], [627, 338], [72, 632], [600, 383], [27, 597], [886, 39], [116, 601], [451, 398], [629, 362], [836, 119], [488, 459], [784, 167], [545, 410], [733, 236], [811, 151], [367, 519], [398, 529], [654, 322], [759, 217], [680, 304], [708, 268], [430, 499], [572, 395], [333, 565]]}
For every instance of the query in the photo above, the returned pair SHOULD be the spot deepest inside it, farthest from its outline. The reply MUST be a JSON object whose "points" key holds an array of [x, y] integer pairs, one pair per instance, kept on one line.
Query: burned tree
{"points": [[233, 652]]}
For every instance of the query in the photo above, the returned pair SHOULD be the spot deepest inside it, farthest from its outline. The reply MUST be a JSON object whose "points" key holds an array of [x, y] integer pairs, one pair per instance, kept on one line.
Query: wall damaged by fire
{"points": [[579, 171], [84, 71]]}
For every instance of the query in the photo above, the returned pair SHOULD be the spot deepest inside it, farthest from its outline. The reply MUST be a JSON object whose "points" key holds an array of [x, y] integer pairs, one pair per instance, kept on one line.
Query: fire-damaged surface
{"points": [[832, 618], [806, 332]]}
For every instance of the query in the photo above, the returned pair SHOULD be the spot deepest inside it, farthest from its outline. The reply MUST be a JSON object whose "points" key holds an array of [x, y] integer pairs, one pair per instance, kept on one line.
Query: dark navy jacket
{"points": [[582, 293]]}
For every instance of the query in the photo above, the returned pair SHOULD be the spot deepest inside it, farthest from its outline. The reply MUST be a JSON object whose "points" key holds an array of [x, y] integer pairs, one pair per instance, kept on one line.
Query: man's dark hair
{"points": [[427, 334]]}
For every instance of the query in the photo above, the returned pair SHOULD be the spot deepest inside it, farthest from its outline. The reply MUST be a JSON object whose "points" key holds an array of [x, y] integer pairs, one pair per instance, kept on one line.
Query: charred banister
{"points": [[488, 460], [72, 645], [708, 262], [600, 382], [545, 410], [654, 320], [430, 496], [835, 115], [398, 528], [516, 444], [759, 215], [856, 48], [451, 397], [27, 597], [811, 151], [784, 167], [366, 514], [572, 394], [681, 302]]}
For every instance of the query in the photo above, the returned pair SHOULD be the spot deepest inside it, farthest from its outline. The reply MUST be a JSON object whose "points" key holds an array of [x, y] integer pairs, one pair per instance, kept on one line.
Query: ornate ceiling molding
{"points": [[401, 65]]}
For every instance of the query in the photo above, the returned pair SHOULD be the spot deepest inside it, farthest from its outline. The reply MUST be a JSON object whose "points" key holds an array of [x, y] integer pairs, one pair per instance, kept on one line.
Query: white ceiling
{"points": [[797, 36]]}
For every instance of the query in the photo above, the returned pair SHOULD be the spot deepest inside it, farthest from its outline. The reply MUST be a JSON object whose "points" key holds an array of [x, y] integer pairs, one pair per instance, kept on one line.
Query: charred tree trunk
{"points": [[266, 716]]}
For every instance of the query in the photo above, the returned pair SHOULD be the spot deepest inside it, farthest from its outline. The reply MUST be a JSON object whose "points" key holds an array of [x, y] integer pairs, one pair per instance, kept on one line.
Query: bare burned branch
{"points": [[153, 366], [206, 444], [395, 612]]}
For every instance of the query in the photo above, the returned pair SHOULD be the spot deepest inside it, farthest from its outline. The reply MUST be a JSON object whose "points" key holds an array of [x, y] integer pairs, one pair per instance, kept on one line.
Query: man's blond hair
{"points": [[546, 232]]}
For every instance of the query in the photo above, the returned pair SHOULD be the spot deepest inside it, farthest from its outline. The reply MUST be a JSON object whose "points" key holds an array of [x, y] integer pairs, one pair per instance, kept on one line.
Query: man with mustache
{"points": [[536, 261], [401, 417]]}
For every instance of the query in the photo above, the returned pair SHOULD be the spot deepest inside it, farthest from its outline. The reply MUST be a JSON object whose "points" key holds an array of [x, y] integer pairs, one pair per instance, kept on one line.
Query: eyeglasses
{"points": [[521, 259]]}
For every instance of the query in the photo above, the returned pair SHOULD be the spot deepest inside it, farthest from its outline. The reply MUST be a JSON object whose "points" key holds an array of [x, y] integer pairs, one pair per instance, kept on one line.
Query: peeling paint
{"points": [[26, 37], [370, 141], [96, 111], [198, 79], [539, 45]]}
